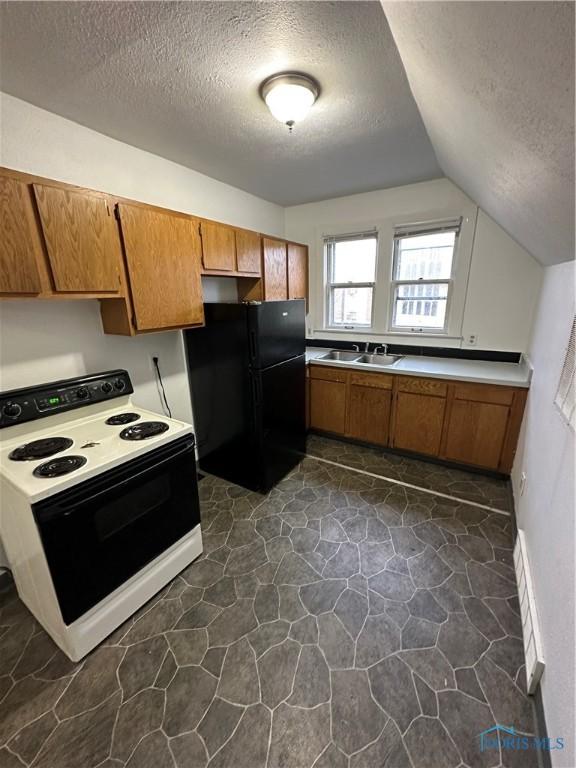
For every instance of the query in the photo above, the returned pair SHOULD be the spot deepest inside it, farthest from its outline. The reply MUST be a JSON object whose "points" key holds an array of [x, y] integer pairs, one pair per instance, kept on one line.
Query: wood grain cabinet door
{"points": [[218, 247], [248, 251], [163, 258], [20, 244], [328, 405], [418, 420], [275, 277], [369, 413], [297, 271], [82, 240], [475, 433]]}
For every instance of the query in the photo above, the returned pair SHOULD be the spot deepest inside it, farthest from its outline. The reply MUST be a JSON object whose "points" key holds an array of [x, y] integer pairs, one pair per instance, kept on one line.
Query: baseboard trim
{"points": [[544, 759]]}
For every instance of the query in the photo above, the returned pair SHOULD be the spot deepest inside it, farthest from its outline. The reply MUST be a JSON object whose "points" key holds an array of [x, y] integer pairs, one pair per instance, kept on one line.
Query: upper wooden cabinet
{"points": [[20, 243], [163, 261], [297, 271], [274, 270], [82, 240], [218, 247], [248, 252]]}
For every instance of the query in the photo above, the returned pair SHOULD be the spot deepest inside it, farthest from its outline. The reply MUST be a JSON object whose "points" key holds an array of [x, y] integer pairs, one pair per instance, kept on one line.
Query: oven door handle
{"points": [[65, 509]]}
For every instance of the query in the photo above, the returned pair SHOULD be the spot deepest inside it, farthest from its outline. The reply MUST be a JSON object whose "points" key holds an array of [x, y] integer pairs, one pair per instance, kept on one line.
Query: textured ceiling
{"points": [[494, 82], [181, 80]]}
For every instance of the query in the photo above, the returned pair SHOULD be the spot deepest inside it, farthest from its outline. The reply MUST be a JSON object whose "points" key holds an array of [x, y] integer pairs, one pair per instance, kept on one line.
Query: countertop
{"points": [[481, 371]]}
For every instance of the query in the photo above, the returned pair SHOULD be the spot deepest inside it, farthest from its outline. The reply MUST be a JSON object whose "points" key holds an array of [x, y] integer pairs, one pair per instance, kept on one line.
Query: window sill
{"points": [[370, 332]]}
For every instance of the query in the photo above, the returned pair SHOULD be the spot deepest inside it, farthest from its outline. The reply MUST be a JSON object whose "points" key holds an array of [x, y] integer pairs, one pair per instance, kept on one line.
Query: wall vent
{"points": [[530, 628], [565, 399]]}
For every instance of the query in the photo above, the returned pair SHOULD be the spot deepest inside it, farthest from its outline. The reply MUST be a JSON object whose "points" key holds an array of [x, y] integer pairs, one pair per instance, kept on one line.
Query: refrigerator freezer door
{"points": [[276, 331], [279, 393]]}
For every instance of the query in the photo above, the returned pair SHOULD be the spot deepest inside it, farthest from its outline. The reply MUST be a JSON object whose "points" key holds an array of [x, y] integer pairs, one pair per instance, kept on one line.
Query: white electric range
{"points": [[98, 503]]}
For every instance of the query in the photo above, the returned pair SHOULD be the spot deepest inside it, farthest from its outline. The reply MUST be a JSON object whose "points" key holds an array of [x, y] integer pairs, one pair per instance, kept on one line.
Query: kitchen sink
{"points": [[336, 354], [382, 360]]}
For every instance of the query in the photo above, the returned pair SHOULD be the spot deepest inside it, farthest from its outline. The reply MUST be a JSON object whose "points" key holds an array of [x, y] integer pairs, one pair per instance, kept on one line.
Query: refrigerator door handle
{"points": [[252, 339]]}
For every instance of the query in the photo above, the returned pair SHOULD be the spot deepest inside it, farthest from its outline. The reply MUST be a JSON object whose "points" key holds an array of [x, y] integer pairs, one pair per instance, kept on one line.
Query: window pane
{"points": [[426, 257], [420, 305], [351, 306], [354, 261]]}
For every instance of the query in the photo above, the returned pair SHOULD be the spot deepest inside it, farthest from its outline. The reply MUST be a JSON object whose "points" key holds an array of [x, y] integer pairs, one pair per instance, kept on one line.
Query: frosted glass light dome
{"points": [[289, 96]]}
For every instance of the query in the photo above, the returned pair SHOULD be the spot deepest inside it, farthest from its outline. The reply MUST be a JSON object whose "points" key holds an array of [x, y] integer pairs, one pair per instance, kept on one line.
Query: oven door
{"points": [[100, 533]]}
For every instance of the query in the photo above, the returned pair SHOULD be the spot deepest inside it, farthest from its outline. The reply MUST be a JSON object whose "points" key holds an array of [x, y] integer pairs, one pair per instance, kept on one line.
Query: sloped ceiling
{"points": [[494, 83]]}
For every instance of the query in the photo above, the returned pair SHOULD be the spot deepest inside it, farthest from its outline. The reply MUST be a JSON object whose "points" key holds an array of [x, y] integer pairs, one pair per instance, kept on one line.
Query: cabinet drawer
{"points": [[483, 393], [328, 374], [376, 380], [422, 386]]}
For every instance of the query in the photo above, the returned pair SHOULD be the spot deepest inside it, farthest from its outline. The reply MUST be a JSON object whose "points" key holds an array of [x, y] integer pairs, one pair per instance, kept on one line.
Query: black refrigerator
{"points": [[247, 371]]}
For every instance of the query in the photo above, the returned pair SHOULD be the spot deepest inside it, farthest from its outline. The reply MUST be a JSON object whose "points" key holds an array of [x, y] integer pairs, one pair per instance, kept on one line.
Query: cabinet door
{"points": [[328, 406], [163, 258], [274, 262], [418, 420], [218, 247], [20, 245], [248, 251], [297, 271], [475, 433], [369, 414], [82, 240]]}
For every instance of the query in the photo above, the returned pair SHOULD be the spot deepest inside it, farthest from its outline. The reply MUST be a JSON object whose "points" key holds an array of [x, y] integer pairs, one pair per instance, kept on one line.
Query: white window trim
{"points": [[415, 230], [385, 229], [330, 286]]}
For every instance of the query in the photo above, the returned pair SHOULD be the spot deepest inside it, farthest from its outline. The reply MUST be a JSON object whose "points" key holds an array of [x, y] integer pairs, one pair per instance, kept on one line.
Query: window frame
{"points": [[401, 232], [330, 286]]}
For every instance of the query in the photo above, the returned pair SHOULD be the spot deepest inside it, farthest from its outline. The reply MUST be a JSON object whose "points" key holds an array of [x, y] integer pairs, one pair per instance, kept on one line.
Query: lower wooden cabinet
{"points": [[418, 422], [469, 424], [475, 433], [328, 406], [369, 405]]}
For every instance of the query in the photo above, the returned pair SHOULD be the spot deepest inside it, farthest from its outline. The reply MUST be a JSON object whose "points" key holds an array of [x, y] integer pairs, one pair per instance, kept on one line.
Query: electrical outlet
{"points": [[522, 483], [472, 340]]}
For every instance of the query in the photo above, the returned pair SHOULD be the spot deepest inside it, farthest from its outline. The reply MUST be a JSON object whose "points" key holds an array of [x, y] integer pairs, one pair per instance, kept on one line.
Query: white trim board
{"points": [[409, 485]]}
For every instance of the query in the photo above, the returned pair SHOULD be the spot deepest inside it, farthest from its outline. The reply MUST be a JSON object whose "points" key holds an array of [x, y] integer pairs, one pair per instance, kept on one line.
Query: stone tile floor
{"points": [[483, 489], [339, 622]]}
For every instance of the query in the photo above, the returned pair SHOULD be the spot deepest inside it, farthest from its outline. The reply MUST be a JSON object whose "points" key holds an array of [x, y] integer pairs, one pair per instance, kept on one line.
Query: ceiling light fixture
{"points": [[289, 96]]}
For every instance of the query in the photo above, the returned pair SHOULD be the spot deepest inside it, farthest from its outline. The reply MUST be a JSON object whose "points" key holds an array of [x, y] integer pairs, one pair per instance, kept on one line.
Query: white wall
{"points": [[502, 279], [546, 509], [45, 340]]}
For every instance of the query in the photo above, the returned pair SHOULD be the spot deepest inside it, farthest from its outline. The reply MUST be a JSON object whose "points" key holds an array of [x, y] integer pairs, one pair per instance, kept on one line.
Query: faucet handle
{"points": [[383, 347], [355, 347]]}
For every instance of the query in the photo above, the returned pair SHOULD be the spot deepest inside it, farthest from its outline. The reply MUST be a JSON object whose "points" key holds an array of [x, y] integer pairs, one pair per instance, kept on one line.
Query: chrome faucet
{"points": [[367, 347], [355, 347], [384, 347]]}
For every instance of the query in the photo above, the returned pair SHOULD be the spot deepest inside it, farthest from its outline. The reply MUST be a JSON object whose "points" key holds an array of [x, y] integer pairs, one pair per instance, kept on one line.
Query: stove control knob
{"points": [[106, 387], [120, 385], [12, 410], [82, 393]]}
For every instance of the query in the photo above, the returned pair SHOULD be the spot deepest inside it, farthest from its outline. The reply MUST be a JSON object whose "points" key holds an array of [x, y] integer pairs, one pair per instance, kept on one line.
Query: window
{"points": [[566, 395], [351, 271], [422, 277]]}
